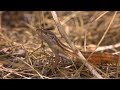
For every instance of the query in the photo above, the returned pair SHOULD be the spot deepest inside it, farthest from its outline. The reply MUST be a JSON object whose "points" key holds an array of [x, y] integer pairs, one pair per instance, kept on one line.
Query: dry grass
{"points": [[24, 55]]}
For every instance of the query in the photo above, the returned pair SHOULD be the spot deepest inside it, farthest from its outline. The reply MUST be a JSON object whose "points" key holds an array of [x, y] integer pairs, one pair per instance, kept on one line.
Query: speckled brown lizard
{"points": [[61, 50]]}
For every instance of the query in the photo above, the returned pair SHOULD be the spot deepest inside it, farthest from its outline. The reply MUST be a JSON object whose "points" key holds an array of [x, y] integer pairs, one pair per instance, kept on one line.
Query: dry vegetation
{"points": [[24, 55]]}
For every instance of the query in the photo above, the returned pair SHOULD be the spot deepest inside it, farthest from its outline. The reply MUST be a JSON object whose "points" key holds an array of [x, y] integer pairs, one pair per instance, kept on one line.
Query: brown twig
{"points": [[103, 34], [81, 57], [41, 76], [108, 47], [99, 16]]}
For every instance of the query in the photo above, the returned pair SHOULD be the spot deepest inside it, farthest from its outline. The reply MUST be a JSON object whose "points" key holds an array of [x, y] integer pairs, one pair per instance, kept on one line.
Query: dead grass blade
{"points": [[82, 58], [103, 34]]}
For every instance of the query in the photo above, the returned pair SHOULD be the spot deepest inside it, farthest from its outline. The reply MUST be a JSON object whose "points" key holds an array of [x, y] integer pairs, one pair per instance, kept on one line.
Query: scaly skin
{"points": [[59, 48]]}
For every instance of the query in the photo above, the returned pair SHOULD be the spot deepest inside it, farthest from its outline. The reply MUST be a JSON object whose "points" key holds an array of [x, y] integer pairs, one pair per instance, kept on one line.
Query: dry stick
{"points": [[30, 26], [98, 45], [69, 17], [11, 71], [82, 58], [82, 25], [103, 34], [108, 47], [85, 33], [93, 16], [4, 77], [107, 70], [42, 77], [8, 70], [100, 16], [62, 73]]}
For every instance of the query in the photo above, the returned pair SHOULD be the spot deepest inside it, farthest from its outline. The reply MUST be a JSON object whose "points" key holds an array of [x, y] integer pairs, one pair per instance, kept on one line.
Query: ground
{"points": [[23, 54]]}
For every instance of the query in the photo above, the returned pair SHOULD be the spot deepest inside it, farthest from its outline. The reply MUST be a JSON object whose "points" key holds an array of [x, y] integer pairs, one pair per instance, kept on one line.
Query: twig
{"points": [[11, 71], [85, 33], [92, 18], [71, 16], [42, 77], [81, 57], [103, 35], [108, 47], [99, 16]]}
